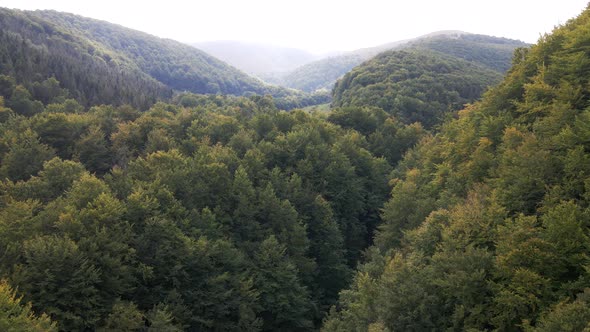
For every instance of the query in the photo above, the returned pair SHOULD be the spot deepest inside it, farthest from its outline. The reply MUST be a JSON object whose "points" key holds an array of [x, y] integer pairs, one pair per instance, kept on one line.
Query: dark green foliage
{"points": [[414, 85], [567, 316], [59, 278], [174, 64], [24, 156], [22, 103], [124, 317], [287, 303], [488, 223], [35, 48], [49, 91], [217, 213], [98, 62], [223, 213], [93, 151], [491, 52], [7, 85], [17, 316], [386, 135], [201, 281]]}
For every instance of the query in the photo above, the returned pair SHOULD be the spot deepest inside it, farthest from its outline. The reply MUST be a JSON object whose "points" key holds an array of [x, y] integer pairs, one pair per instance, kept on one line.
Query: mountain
{"points": [[492, 52], [488, 223], [262, 60], [414, 85], [100, 62], [321, 74], [489, 51]]}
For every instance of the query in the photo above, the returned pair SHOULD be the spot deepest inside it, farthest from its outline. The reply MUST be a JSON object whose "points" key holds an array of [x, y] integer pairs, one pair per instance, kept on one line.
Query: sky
{"points": [[321, 25]]}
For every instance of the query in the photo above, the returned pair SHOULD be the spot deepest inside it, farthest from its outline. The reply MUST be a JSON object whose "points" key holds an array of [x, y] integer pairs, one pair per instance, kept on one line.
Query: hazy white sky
{"points": [[321, 25]]}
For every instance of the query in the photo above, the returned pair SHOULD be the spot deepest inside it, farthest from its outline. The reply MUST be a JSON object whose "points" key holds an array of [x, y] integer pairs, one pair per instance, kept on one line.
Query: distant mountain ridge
{"points": [[492, 52], [261, 60], [104, 62]]}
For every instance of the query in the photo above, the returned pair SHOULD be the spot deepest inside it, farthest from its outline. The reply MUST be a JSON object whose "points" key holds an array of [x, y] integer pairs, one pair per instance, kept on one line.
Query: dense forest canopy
{"points": [[320, 74], [488, 223], [491, 52], [209, 213], [414, 85], [99, 62], [161, 210]]}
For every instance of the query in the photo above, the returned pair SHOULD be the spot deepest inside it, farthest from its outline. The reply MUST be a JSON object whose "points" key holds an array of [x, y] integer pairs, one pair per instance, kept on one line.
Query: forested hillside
{"points": [[100, 62], [416, 85], [34, 49], [210, 213], [127, 206], [321, 74], [492, 52], [488, 223]]}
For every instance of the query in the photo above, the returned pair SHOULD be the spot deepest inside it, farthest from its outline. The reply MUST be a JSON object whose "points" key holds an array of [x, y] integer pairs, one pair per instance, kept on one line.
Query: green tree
{"points": [[93, 151], [285, 302], [16, 316], [159, 319], [123, 317], [59, 279], [49, 91], [22, 102], [25, 156], [567, 316], [7, 85]]}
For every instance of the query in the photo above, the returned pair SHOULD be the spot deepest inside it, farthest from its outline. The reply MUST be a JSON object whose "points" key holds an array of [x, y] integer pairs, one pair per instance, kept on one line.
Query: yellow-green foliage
{"points": [[489, 219], [16, 316]]}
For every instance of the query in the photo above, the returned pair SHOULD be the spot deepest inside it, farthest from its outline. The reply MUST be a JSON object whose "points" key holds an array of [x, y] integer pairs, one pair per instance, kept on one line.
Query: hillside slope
{"points": [[492, 52], [416, 85], [488, 223], [103, 62]]}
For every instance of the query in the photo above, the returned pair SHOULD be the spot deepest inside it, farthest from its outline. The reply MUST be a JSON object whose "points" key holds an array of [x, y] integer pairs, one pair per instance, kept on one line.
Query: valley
{"points": [[434, 183]]}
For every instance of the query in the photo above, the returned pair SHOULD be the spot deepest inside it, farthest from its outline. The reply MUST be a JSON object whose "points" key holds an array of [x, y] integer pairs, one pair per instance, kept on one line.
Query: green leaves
{"points": [[59, 278], [285, 301], [415, 85], [17, 316], [489, 217], [567, 316], [25, 156]]}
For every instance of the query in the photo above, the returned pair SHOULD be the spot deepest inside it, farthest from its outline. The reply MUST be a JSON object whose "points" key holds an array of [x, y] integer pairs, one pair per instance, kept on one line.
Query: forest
{"points": [[211, 213], [414, 86], [489, 52], [103, 63], [434, 195]]}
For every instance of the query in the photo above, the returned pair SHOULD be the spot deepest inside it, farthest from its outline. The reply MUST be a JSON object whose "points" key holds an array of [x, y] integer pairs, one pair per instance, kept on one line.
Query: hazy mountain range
{"points": [[304, 71], [111, 61], [323, 73], [88, 53], [261, 60]]}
